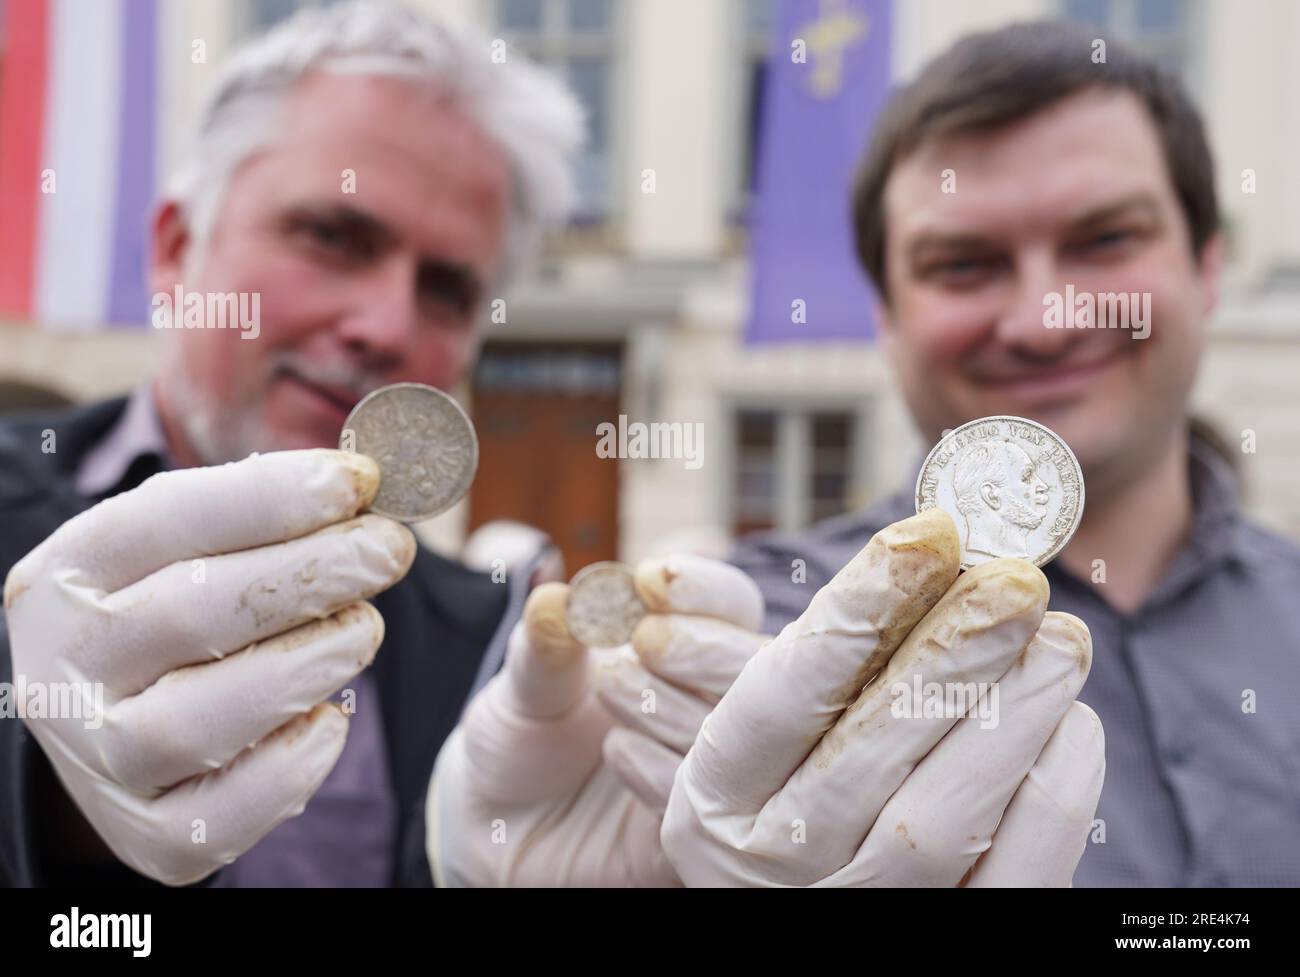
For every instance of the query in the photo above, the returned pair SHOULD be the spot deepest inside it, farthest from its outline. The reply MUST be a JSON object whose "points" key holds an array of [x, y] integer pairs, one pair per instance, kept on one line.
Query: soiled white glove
{"points": [[216, 608], [809, 772], [538, 786]]}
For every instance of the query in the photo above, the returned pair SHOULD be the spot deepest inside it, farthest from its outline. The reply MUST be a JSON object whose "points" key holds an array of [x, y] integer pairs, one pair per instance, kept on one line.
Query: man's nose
{"points": [[384, 315], [1022, 324]]}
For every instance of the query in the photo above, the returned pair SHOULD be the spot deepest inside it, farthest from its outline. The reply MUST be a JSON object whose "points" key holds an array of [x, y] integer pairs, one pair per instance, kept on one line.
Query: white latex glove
{"points": [[801, 776], [214, 672], [537, 786]]}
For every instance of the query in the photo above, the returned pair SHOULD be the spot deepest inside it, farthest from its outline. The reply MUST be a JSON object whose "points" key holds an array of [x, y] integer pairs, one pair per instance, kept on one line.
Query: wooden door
{"points": [[536, 409]]}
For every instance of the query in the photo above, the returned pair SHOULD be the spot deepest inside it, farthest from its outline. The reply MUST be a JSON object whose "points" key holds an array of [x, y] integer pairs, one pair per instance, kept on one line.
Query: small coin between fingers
{"points": [[603, 607]]}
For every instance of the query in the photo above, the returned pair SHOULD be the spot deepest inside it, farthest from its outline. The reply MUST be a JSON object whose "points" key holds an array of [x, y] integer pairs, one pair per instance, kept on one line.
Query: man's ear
{"points": [[989, 493], [1210, 267], [884, 324], [884, 328], [169, 246]]}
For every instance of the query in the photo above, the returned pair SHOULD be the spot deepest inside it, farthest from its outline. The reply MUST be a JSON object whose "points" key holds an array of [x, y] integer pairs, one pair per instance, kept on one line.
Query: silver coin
{"points": [[424, 444], [603, 607], [1013, 487]]}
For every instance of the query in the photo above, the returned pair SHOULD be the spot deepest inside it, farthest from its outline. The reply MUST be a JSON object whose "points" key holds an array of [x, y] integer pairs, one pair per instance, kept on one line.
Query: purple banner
{"points": [[128, 303], [827, 78]]}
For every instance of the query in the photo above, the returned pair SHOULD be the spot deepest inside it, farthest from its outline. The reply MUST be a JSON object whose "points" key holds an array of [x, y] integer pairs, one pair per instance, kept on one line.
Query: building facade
{"points": [[638, 307]]}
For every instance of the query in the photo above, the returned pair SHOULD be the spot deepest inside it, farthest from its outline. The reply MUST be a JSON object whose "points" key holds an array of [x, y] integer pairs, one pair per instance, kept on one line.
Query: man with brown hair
{"points": [[1080, 164]]}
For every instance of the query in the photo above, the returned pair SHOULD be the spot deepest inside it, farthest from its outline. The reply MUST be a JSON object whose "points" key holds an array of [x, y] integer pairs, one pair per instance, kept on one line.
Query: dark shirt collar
{"points": [[136, 435]]}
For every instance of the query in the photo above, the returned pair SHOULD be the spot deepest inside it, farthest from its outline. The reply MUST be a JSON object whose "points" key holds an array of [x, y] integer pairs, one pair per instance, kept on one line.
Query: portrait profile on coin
{"points": [[1011, 485], [1001, 498]]}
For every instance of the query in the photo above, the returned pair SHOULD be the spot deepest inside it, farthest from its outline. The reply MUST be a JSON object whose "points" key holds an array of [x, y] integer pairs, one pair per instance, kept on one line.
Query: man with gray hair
{"points": [[372, 177]]}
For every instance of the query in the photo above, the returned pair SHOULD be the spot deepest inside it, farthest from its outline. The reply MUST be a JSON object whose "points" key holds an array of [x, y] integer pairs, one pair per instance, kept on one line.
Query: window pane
{"points": [[589, 78], [1169, 57], [753, 122], [832, 438], [831, 430], [268, 12], [574, 372], [521, 15], [1159, 15], [758, 486], [757, 429], [1088, 11], [829, 488], [756, 20], [755, 503], [758, 16], [589, 15]]}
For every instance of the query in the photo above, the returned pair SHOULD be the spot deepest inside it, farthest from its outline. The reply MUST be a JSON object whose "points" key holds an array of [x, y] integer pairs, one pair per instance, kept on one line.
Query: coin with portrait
{"points": [[1012, 485]]}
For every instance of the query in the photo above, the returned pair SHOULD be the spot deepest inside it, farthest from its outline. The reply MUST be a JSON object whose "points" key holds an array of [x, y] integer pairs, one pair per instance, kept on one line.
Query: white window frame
{"points": [[793, 449], [247, 19], [745, 48], [1121, 17], [555, 43]]}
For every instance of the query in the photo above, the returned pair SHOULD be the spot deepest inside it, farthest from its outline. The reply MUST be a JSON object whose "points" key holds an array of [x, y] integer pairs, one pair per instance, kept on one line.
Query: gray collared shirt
{"points": [[347, 834], [1199, 691]]}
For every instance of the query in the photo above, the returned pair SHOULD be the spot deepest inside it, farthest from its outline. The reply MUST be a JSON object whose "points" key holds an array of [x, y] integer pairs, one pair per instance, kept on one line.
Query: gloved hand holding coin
{"points": [[221, 607], [215, 608], [829, 762], [561, 767], [809, 773], [806, 773]]}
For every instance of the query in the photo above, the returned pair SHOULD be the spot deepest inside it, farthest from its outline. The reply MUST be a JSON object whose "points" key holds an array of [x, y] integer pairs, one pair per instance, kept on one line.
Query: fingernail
{"points": [[364, 473]]}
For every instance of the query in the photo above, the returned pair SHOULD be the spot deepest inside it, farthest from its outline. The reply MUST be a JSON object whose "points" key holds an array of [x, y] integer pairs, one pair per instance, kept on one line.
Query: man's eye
{"points": [[960, 270], [1110, 241], [442, 293], [327, 235], [330, 238], [446, 292]]}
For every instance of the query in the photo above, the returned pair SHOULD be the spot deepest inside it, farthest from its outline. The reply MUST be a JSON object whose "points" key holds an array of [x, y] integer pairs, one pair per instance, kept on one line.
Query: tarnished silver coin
{"points": [[424, 444], [1013, 487], [603, 608]]}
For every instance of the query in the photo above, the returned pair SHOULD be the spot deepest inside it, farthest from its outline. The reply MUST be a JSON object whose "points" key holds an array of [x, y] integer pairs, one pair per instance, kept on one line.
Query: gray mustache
{"points": [[357, 382]]}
